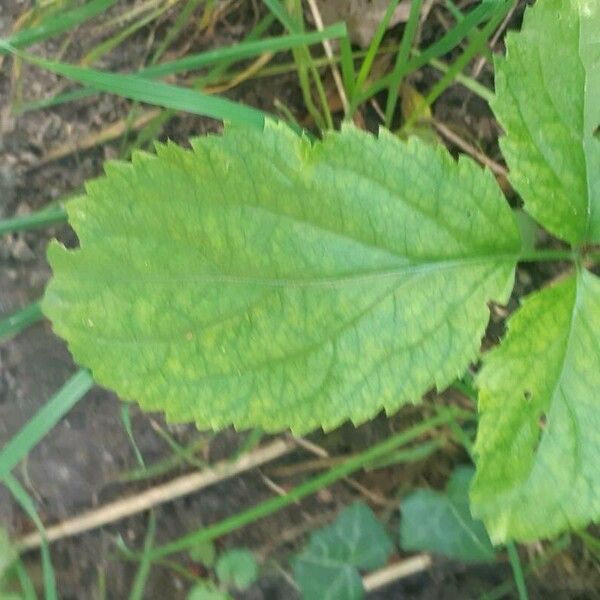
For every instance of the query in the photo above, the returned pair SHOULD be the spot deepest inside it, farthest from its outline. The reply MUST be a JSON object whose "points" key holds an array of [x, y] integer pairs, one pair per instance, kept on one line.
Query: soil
{"points": [[79, 464]]}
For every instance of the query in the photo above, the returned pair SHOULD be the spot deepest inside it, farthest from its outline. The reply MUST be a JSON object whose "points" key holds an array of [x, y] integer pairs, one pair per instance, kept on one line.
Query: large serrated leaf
{"points": [[548, 101], [539, 436], [260, 280]]}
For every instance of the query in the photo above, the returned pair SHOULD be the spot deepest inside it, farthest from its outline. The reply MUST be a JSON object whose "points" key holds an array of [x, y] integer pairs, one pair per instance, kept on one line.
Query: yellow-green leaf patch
{"points": [[548, 101], [538, 442], [263, 280]]}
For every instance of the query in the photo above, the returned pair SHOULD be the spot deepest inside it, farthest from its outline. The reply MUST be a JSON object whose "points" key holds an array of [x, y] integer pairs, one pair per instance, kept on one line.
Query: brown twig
{"points": [[374, 497], [453, 137], [160, 494], [316, 14], [396, 571]]}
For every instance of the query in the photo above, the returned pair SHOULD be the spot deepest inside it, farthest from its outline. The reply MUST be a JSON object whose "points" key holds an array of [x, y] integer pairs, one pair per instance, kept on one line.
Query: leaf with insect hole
{"points": [[539, 435]]}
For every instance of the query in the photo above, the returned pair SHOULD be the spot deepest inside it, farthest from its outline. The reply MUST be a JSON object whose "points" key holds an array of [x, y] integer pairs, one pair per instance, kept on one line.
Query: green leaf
{"points": [[8, 554], [539, 435], [204, 553], [328, 567], [547, 100], [442, 523], [260, 280], [237, 567], [205, 590]]}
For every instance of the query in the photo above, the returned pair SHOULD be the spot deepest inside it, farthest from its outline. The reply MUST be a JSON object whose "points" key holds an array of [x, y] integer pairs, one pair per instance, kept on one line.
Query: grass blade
{"points": [[305, 64], [43, 218], [515, 563], [156, 93], [43, 421], [15, 323], [311, 486], [246, 50], [56, 24], [181, 21], [400, 66], [141, 577], [26, 503], [281, 14], [478, 41], [25, 582], [445, 44], [347, 63], [367, 63]]}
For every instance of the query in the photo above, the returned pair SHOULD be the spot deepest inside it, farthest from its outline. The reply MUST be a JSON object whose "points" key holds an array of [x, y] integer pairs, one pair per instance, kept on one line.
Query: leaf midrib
{"points": [[423, 266]]}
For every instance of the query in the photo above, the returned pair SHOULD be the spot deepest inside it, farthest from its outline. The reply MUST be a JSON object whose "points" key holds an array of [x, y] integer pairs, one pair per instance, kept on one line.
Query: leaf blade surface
{"points": [[548, 106], [442, 523], [328, 567], [260, 280], [539, 436]]}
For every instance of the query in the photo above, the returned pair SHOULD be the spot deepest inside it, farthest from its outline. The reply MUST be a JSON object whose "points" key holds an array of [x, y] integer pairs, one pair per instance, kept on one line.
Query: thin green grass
{"points": [[26, 503], [52, 215], [141, 577], [273, 505], [43, 421], [57, 24], [162, 467], [181, 21], [158, 93], [304, 64], [372, 51], [459, 16], [478, 41], [517, 569], [27, 587], [180, 451], [151, 131], [118, 38], [20, 320], [23, 442], [218, 56], [400, 66], [448, 42], [126, 420], [506, 589]]}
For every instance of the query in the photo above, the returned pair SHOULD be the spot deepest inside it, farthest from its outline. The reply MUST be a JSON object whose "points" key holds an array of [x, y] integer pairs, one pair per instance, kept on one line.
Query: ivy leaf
{"points": [[205, 590], [261, 280], [550, 109], [442, 523], [204, 553], [539, 435], [237, 567], [328, 568]]}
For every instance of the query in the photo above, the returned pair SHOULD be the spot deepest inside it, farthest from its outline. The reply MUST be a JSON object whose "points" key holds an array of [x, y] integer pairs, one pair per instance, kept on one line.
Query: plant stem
{"points": [[15, 323], [547, 255], [310, 487], [515, 563], [43, 218]]}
